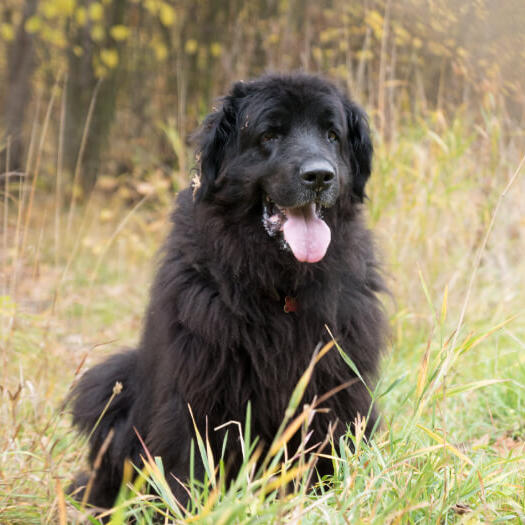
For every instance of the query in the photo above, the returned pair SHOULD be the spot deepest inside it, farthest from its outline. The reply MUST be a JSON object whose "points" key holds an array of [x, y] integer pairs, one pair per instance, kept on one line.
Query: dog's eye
{"points": [[332, 136], [269, 136]]}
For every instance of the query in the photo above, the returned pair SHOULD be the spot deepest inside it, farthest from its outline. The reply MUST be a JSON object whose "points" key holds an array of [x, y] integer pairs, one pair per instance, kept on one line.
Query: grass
{"points": [[452, 389]]}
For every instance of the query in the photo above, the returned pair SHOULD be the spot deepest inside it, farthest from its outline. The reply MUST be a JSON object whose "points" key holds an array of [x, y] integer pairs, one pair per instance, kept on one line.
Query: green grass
{"points": [[452, 389]]}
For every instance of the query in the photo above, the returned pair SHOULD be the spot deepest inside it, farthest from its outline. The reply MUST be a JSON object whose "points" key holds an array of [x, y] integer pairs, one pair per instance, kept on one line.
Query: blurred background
{"points": [[151, 69], [97, 99]]}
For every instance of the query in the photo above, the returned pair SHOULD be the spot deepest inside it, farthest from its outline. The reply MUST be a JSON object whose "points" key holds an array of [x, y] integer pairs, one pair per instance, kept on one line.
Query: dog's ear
{"points": [[361, 148], [217, 133]]}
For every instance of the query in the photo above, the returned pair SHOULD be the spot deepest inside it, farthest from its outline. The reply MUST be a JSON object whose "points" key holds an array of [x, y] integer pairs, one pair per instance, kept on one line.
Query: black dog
{"points": [[266, 249]]}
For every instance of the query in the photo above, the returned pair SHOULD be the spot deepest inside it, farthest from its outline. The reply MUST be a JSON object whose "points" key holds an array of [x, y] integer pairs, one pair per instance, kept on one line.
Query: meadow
{"points": [[446, 201]]}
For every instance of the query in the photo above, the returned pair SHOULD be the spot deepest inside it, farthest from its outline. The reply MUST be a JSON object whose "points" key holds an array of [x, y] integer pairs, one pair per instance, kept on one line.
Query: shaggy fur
{"points": [[216, 336]]}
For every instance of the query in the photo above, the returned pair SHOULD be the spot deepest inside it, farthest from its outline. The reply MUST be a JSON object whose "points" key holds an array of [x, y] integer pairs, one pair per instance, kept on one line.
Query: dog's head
{"points": [[289, 146]]}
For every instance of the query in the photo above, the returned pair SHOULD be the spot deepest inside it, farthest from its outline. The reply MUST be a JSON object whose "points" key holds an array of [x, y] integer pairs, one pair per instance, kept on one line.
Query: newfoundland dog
{"points": [[267, 257]]}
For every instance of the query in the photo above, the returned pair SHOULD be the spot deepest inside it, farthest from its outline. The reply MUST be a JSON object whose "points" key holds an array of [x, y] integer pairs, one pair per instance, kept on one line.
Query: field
{"points": [[446, 201]]}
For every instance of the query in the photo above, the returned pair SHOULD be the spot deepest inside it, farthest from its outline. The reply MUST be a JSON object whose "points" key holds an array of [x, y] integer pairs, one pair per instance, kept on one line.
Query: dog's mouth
{"points": [[303, 230]]}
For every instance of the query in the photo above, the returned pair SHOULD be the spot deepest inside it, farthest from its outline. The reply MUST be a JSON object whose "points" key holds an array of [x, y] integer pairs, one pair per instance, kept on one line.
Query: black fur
{"points": [[216, 336]]}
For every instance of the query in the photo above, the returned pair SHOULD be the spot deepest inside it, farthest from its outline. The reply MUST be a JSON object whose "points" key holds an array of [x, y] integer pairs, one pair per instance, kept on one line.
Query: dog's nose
{"points": [[317, 175]]}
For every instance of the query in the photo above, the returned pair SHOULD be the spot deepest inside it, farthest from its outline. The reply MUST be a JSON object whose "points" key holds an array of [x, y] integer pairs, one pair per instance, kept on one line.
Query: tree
{"points": [[21, 63], [94, 56]]}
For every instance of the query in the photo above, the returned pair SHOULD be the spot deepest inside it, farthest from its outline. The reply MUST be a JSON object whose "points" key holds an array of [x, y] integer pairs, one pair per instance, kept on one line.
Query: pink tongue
{"points": [[307, 235]]}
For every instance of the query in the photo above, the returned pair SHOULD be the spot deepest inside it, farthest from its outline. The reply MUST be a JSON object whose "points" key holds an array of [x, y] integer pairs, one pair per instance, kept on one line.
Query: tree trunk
{"points": [[20, 67], [81, 88]]}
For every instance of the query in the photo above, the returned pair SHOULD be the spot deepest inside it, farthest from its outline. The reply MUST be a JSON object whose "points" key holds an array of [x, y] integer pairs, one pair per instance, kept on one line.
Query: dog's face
{"points": [[288, 148]]}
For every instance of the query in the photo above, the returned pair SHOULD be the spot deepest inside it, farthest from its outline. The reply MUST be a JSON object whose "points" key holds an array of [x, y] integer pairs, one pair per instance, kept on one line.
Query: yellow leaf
{"points": [[191, 46], [52, 36], [375, 20], [167, 15], [325, 36], [215, 49], [106, 215], [50, 10], [160, 50], [81, 16], [109, 57], [272, 38], [97, 33], [65, 7], [152, 6], [33, 24], [6, 32], [96, 11], [364, 54], [317, 53], [119, 32], [402, 35]]}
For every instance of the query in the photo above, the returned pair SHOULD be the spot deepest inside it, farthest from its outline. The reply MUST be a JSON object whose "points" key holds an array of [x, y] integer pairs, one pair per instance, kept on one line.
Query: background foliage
{"points": [[152, 64]]}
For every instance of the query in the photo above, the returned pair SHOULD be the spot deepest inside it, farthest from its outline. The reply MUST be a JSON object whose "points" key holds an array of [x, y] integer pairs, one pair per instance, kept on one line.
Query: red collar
{"points": [[290, 304]]}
